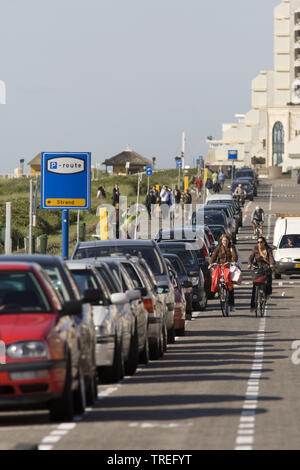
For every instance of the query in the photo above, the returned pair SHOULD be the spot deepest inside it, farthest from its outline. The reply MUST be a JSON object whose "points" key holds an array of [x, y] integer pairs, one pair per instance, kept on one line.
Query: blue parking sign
{"points": [[179, 163], [232, 154], [65, 180], [149, 170]]}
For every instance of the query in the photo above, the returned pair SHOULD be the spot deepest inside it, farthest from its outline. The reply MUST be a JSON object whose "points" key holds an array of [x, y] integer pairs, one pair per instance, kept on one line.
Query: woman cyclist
{"points": [[225, 253], [262, 255]]}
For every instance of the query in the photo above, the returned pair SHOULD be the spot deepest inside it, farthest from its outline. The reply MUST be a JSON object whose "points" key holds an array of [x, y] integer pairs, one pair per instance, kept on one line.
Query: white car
{"points": [[286, 243], [109, 325]]}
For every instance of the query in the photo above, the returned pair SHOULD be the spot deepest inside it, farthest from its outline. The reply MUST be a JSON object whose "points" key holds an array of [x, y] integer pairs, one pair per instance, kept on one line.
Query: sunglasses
{"points": [[261, 242]]}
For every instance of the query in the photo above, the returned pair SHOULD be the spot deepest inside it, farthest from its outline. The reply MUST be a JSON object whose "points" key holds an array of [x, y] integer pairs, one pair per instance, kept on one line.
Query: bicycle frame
{"points": [[224, 292]]}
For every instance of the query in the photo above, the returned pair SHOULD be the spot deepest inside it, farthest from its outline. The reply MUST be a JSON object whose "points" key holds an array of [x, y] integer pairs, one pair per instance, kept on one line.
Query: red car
{"points": [[39, 364]]}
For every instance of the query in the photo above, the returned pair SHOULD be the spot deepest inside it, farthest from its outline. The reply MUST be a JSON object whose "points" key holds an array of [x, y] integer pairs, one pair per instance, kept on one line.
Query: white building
{"points": [[271, 129]]}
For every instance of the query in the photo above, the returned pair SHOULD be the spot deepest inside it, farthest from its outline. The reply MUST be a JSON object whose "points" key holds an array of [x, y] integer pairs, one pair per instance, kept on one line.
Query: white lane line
{"points": [[246, 429]]}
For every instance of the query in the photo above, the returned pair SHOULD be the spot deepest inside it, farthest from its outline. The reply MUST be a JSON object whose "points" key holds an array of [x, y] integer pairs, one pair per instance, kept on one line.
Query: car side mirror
{"points": [[72, 307], [92, 296], [143, 291]]}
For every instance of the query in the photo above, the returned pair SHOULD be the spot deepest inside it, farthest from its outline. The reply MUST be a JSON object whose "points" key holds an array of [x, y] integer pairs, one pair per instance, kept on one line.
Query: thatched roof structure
{"points": [[118, 162]]}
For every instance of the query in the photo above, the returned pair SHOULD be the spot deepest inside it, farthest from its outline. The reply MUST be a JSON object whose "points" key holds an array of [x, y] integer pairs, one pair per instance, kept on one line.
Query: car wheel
{"points": [[277, 276], [144, 355], [203, 303], [171, 335], [115, 372], [79, 394], [133, 358], [156, 348], [61, 409], [91, 391]]}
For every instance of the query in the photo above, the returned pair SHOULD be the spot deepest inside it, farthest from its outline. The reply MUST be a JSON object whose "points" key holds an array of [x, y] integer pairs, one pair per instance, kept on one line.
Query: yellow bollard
{"points": [[186, 183], [103, 224]]}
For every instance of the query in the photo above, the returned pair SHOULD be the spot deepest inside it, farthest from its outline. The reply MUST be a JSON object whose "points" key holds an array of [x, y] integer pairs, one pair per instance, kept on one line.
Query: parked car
{"points": [[247, 172], [189, 258], [186, 284], [248, 187], [286, 241], [218, 231], [202, 242], [108, 323], [64, 283], [250, 180], [147, 249], [42, 365], [238, 213], [180, 301], [211, 217], [233, 224]]}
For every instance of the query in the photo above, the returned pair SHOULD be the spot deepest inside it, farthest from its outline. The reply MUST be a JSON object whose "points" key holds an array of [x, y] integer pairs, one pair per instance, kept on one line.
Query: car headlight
{"points": [[286, 260], [27, 349]]}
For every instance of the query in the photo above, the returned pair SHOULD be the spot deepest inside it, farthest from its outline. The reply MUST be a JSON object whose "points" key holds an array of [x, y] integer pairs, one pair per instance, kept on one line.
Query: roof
{"points": [[39, 259], [127, 156]]}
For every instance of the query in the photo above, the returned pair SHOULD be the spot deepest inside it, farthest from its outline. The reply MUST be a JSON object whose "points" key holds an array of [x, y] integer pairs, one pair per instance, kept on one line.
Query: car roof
{"points": [[39, 259], [116, 241]]}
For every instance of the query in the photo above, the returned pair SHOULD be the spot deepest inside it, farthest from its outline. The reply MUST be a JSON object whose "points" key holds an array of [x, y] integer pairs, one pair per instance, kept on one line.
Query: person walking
{"points": [[198, 184], [221, 179], [150, 201], [225, 252], [262, 256], [101, 193], [116, 195]]}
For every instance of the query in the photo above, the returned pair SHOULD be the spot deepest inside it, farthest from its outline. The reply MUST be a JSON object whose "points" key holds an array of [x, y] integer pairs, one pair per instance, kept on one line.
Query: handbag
{"points": [[236, 275]]}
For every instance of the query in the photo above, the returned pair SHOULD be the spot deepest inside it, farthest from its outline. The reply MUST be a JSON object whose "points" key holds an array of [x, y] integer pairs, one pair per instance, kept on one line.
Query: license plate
{"points": [[297, 266]]}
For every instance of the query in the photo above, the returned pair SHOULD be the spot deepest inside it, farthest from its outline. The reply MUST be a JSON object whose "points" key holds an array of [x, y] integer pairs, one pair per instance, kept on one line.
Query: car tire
{"points": [[115, 372], [133, 357], [156, 348], [171, 335], [80, 394], [61, 409], [277, 276], [144, 355], [203, 303], [91, 391]]}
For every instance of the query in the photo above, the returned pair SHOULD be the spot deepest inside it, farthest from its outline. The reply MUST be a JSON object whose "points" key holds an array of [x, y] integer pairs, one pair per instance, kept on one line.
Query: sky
{"points": [[106, 75]]}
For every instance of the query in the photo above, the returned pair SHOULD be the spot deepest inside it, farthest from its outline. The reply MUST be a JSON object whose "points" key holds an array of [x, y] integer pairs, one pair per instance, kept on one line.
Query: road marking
{"points": [[246, 429]]}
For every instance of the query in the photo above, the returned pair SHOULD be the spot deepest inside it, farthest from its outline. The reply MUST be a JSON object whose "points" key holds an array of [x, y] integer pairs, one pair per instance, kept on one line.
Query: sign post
{"points": [[233, 156], [179, 166], [65, 185]]}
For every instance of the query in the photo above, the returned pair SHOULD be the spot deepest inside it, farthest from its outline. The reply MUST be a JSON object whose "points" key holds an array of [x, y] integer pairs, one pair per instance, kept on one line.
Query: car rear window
{"points": [[84, 279], [149, 253], [21, 292], [185, 255]]}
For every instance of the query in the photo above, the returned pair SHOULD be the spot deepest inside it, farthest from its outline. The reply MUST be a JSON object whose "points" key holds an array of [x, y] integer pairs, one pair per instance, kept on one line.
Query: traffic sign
{"points": [[232, 154], [65, 180], [149, 170], [179, 163]]}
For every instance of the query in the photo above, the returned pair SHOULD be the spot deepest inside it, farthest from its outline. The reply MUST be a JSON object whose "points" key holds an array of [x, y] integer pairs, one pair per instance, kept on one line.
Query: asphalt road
{"points": [[229, 383]]}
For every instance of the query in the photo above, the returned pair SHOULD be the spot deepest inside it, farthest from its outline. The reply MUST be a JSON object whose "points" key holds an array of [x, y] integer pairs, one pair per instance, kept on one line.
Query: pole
{"points": [[78, 224], [8, 229], [183, 149], [137, 206], [30, 217], [65, 233]]}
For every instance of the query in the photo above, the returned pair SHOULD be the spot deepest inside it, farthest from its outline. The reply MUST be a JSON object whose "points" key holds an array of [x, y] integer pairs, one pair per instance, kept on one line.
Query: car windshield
{"points": [[20, 292], [242, 174], [290, 241], [149, 253], [185, 255]]}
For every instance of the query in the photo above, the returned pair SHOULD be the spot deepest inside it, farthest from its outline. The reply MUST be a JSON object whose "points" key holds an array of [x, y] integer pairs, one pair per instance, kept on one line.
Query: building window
{"points": [[278, 143]]}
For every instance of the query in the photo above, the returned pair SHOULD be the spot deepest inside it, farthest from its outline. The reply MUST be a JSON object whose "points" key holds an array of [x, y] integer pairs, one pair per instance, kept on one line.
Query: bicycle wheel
{"points": [[224, 297], [262, 301], [256, 301]]}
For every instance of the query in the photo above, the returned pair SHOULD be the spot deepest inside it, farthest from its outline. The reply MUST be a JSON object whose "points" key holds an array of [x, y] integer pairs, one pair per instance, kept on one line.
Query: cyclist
{"points": [[262, 255], [240, 194], [258, 218], [225, 253]]}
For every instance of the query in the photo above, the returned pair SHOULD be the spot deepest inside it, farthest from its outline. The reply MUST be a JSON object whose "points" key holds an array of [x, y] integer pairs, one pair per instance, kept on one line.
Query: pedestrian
{"points": [[221, 179], [177, 195], [198, 184], [116, 195], [165, 196], [216, 186], [156, 192], [214, 177], [101, 193], [150, 201]]}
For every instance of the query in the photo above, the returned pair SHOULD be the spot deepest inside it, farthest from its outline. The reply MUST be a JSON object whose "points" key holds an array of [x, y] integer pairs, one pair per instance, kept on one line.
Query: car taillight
{"points": [[148, 303], [205, 252]]}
